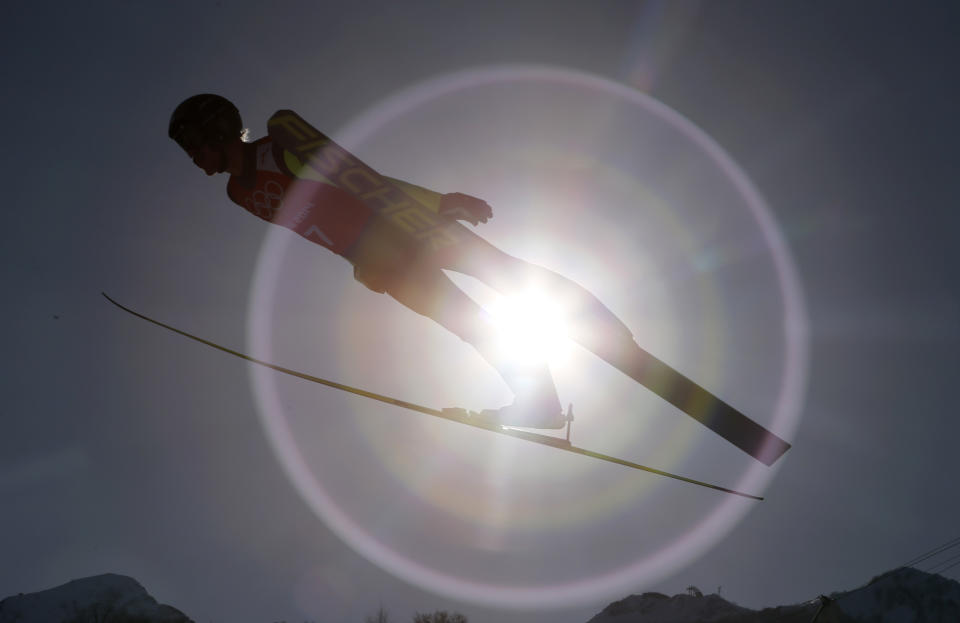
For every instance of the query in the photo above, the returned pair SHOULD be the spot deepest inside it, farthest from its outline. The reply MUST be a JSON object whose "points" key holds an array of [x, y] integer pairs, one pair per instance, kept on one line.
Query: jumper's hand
{"points": [[461, 207]]}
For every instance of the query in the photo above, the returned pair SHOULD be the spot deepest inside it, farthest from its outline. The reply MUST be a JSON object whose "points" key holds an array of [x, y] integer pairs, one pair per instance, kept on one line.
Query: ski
{"points": [[698, 403], [460, 416]]}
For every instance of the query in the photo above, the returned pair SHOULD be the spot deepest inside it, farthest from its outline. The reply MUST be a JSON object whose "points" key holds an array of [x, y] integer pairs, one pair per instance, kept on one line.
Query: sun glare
{"points": [[532, 327]]}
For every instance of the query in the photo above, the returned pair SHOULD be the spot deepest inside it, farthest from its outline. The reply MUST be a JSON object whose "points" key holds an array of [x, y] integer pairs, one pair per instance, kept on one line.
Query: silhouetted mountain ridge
{"points": [[904, 595], [107, 598]]}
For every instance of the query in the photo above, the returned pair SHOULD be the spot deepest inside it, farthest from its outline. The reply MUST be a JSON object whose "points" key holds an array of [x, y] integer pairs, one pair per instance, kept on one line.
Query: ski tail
{"points": [[699, 404]]}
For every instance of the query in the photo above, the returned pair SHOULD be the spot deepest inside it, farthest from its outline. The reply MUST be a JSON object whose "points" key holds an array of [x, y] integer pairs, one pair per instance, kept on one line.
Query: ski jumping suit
{"points": [[387, 259]]}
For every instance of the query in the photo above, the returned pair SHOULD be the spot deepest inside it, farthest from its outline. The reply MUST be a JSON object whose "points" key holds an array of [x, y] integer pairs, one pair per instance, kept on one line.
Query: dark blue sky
{"points": [[128, 450]]}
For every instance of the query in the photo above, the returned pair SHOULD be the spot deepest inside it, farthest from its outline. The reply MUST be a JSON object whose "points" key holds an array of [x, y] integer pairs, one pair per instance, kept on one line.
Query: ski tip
{"points": [[114, 302]]}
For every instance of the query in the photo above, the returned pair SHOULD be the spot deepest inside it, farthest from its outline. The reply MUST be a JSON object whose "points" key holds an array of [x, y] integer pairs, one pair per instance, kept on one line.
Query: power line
{"points": [[942, 571], [937, 567], [937, 550]]}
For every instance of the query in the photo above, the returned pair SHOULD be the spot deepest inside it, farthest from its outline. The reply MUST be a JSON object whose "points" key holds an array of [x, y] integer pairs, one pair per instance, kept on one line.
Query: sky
{"points": [[763, 192]]}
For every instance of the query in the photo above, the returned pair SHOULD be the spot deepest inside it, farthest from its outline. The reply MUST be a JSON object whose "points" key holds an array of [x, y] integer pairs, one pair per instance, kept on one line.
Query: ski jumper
{"points": [[401, 239]]}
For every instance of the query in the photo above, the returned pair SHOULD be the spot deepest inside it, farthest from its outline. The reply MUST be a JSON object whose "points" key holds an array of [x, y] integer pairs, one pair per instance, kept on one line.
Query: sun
{"points": [[531, 327]]}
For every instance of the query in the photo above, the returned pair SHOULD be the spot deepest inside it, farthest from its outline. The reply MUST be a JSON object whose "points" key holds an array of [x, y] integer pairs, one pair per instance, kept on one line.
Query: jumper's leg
{"points": [[429, 292]]}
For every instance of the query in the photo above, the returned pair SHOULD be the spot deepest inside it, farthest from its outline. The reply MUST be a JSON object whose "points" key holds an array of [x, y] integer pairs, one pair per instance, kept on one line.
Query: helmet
{"points": [[205, 119]]}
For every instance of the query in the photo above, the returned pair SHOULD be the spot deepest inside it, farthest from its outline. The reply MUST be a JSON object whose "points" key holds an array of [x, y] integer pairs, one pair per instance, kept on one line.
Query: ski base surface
{"points": [[460, 416]]}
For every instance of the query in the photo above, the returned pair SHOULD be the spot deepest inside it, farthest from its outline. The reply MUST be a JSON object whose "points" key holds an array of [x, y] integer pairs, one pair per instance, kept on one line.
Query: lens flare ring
{"points": [[665, 559]]}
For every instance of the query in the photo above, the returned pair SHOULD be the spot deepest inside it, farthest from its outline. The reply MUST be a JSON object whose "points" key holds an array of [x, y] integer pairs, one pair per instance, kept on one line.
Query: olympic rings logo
{"points": [[267, 202]]}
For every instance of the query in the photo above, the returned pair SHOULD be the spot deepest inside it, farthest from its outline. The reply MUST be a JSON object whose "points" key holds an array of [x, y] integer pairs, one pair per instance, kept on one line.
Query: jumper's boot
{"points": [[535, 403]]}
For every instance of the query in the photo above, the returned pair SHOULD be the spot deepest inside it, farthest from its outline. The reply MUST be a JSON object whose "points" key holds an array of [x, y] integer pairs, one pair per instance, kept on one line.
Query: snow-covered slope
{"points": [[109, 597]]}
